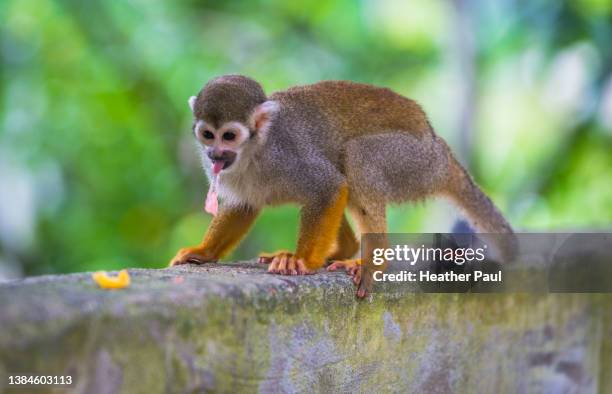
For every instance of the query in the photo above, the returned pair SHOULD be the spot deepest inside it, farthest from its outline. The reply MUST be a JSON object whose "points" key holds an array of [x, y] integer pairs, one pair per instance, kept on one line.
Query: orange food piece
{"points": [[120, 281]]}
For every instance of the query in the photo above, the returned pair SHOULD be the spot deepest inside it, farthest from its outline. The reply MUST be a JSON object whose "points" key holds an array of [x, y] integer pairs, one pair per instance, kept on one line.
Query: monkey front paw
{"points": [[285, 263], [266, 258], [193, 256]]}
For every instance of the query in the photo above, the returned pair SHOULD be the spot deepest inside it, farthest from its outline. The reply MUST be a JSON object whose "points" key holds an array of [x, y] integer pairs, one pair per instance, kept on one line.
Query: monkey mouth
{"points": [[221, 160], [219, 165]]}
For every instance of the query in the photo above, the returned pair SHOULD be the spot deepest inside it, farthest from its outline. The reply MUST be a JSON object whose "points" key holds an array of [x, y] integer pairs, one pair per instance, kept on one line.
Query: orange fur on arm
{"points": [[227, 228]]}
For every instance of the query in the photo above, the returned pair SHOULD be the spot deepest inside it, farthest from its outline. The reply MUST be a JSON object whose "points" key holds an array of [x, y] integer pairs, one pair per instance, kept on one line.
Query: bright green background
{"points": [[98, 168]]}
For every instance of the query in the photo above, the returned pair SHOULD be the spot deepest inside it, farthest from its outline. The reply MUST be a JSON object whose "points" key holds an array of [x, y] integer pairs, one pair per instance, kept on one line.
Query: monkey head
{"points": [[232, 117]]}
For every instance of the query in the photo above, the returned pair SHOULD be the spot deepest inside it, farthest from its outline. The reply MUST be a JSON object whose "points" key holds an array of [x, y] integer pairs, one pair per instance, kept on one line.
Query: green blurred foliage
{"points": [[98, 168]]}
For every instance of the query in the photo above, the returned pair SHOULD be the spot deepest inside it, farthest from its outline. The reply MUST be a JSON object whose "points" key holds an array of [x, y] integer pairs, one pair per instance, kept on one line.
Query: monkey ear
{"points": [[191, 102], [262, 116]]}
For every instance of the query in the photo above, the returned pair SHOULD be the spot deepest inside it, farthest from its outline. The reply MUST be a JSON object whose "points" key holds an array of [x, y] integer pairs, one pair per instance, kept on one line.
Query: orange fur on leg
{"points": [[370, 219], [346, 245], [319, 230]]}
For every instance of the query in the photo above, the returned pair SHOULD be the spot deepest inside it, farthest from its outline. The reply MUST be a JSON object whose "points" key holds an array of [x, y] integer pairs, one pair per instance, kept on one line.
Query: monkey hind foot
{"points": [[354, 268], [349, 265]]}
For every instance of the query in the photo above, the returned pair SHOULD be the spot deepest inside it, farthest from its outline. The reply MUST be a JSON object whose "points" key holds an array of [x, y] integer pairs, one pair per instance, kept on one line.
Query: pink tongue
{"points": [[218, 166]]}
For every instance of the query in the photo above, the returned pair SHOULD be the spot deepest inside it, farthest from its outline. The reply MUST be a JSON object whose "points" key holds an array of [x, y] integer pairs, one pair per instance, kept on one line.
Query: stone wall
{"points": [[234, 328]]}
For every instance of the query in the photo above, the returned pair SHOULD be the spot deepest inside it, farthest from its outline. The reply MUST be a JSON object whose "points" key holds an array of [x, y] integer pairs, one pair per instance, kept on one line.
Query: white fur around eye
{"points": [[242, 133], [199, 129]]}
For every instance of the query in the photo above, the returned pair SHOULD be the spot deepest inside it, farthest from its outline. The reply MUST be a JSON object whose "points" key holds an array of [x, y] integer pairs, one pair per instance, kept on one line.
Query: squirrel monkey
{"points": [[330, 147]]}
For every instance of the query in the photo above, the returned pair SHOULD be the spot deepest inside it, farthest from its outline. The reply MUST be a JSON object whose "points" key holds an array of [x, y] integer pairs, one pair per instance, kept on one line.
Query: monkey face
{"points": [[232, 119], [222, 145]]}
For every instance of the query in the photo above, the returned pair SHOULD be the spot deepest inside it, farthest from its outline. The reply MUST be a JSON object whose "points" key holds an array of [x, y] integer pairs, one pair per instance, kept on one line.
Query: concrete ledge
{"points": [[234, 328]]}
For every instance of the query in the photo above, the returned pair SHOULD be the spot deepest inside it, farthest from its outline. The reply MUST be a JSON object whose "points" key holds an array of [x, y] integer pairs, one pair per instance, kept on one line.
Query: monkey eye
{"points": [[229, 136], [208, 135]]}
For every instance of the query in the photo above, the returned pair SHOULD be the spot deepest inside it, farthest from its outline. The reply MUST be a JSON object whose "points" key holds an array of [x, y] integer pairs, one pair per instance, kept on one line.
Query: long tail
{"points": [[480, 210]]}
